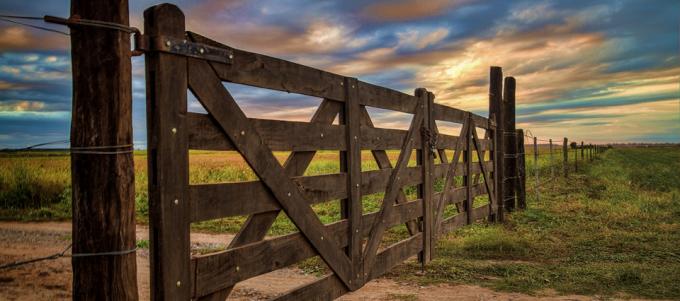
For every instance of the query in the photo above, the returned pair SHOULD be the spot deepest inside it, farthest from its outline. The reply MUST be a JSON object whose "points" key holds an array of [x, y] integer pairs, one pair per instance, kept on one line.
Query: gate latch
{"points": [[183, 47]]}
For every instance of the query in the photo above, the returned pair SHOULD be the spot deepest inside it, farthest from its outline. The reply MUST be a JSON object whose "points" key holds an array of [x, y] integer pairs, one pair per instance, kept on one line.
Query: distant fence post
{"points": [[521, 181], [565, 152], [536, 166], [576, 160], [496, 110], [552, 165], [510, 143], [582, 149]]}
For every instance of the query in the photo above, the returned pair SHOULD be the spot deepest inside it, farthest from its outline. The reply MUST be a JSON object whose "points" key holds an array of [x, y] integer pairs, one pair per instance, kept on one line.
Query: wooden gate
{"points": [[177, 60]]}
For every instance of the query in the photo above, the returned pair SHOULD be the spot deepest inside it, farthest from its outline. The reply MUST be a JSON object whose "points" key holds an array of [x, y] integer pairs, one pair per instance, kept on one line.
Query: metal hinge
{"points": [[183, 47]]}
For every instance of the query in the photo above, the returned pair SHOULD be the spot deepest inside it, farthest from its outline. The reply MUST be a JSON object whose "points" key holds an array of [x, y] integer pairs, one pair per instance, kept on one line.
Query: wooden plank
{"points": [[272, 73], [393, 187], [450, 114], [426, 159], [211, 201], [223, 269], [496, 110], [453, 223], [205, 134], [219, 103], [278, 135], [467, 179], [353, 207], [168, 160], [487, 184], [383, 162], [381, 97]]}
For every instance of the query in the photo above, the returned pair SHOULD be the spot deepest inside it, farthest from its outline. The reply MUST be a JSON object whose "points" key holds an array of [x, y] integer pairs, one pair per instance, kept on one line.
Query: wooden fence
{"points": [[177, 60]]}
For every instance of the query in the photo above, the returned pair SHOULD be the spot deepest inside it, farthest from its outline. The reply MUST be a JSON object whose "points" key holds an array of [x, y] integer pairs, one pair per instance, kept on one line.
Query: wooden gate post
{"points": [[102, 169], [496, 112], [510, 144], [582, 150], [521, 181], [166, 105], [552, 165], [565, 162], [576, 159], [426, 161]]}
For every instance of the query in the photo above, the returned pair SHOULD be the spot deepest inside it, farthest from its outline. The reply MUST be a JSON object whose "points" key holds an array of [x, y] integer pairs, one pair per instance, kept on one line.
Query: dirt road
{"points": [[51, 280]]}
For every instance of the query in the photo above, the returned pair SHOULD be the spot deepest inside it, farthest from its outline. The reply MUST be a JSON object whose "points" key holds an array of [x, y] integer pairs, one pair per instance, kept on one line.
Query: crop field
{"points": [[610, 229]]}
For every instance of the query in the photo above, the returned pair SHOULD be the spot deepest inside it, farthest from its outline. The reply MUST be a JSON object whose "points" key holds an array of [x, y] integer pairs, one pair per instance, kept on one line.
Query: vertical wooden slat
{"points": [[166, 76], [467, 178], [352, 160], [538, 195], [496, 110], [427, 161]]}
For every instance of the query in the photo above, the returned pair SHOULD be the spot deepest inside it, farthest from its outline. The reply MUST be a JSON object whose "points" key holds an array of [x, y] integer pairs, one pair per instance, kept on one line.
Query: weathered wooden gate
{"points": [[177, 60]]}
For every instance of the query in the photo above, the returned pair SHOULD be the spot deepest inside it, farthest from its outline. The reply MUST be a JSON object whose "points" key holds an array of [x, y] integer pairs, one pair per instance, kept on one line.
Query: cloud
{"points": [[417, 39], [405, 10]]}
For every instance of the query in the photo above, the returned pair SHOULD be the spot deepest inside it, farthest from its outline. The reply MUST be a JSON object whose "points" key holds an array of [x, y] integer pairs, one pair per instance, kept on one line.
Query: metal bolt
{"points": [[352, 86], [357, 232], [243, 133], [184, 41], [342, 84], [357, 184], [355, 138], [201, 50], [179, 283], [174, 130], [237, 268], [231, 56], [176, 201], [321, 135], [289, 194], [168, 43], [321, 237]]}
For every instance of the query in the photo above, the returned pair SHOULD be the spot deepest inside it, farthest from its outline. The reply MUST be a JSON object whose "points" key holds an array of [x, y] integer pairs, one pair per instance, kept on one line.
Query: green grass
{"points": [[611, 230]]}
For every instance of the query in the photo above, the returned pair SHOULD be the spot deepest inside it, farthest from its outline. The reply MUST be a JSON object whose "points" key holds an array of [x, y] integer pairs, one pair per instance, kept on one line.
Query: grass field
{"points": [[612, 229]]}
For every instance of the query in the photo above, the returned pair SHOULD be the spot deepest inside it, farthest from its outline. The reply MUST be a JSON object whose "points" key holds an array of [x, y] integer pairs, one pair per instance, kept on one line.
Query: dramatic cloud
{"points": [[588, 70]]}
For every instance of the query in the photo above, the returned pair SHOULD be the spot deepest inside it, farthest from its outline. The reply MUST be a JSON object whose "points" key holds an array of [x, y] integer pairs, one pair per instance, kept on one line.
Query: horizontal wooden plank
{"points": [[226, 268], [278, 135], [396, 254], [273, 73], [446, 113], [211, 201], [384, 98]]}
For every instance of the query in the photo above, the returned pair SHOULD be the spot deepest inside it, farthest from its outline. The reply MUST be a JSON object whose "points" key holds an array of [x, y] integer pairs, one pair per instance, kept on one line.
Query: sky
{"points": [[598, 71]]}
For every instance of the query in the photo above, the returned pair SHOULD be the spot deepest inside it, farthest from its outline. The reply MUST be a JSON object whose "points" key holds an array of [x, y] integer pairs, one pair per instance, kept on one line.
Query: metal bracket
{"points": [[183, 47]]}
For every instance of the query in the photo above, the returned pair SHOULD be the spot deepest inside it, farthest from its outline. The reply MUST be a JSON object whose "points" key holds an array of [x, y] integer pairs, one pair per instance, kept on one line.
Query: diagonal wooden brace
{"points": [[219, 103]]}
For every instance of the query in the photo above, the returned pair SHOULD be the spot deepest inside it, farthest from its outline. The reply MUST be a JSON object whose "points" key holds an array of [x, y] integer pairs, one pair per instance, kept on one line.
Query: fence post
{"points": [[510, 143], [103, 190], [582, 149], [426, 160], [552, 165], [496, 110], [467, 179], [536, 167], [167, 154], [565, 152], [576, 160], [521, 181]]}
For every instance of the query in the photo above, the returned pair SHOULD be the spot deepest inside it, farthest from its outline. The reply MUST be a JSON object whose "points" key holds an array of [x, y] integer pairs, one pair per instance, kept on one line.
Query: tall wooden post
{"points": [[582, 149], [496, 112], [565, 162], [103, 179], [425, 190], [510, 143], [168, 143], [576, 160], [521, 181]]}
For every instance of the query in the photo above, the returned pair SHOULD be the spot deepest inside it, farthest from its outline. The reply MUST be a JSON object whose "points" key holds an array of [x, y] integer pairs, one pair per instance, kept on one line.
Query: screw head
{"points": [[231, 56], [342, 84], [243, 133], [179, 283], [321, 237], [237, 268], [357, 184], [176, 201], [201, 50], [174, 130], [168, 43], [289, 194]]}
